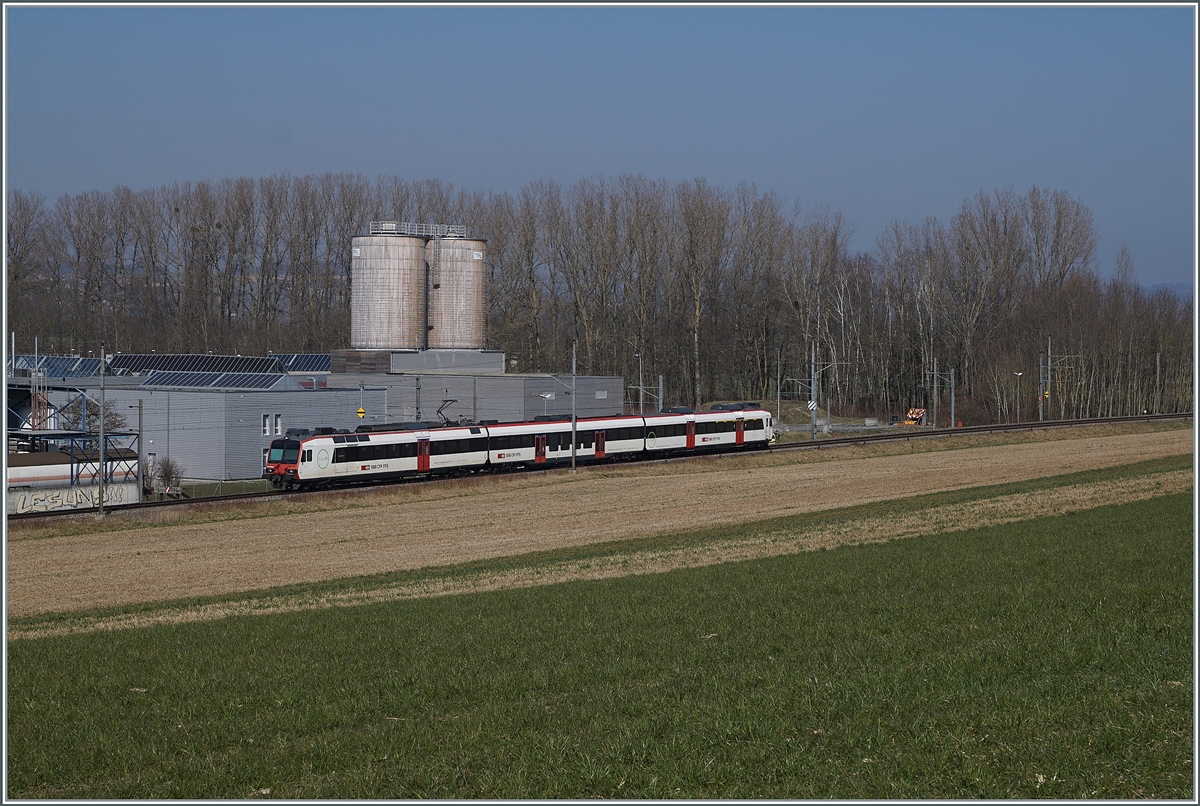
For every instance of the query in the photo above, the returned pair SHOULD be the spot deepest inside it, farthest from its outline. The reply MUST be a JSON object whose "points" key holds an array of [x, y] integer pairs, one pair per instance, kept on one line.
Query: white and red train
{"points": [[378, 453]]}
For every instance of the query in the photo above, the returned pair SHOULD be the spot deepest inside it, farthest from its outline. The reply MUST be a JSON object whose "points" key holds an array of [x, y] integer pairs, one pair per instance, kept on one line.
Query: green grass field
{"points": [[1050, 658]]}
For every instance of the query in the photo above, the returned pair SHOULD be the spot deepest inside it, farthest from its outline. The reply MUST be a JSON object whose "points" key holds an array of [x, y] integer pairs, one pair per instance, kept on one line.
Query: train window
{"points": [[479, 444], [284, 450], [552, 442], [339, 456], [527, 440]]}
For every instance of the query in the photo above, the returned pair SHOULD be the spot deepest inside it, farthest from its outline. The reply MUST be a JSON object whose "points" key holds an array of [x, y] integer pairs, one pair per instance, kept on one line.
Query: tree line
{"points": [[723, 293]]}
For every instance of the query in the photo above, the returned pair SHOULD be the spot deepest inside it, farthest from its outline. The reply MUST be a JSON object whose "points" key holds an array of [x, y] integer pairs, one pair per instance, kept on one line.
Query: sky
{"points": [[883, 113]]}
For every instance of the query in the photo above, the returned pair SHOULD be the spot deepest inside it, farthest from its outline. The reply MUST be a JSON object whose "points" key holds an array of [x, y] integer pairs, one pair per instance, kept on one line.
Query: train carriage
{"points": [[670, 430], [384, 452]]}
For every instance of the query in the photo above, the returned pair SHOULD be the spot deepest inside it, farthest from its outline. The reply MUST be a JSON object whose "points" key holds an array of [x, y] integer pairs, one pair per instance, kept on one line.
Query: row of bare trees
{"points": [[720, 292]]}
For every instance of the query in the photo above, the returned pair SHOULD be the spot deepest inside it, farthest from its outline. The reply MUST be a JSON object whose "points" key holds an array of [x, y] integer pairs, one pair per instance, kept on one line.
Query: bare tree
{"points": [[703, 221]]}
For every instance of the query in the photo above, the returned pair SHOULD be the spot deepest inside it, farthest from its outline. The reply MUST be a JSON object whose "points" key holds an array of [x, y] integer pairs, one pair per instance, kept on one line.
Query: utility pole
{"points": [[141, 464], [1051, 361], [814, 390], [953, 421], [1041, 385], [941, 376], [778, 384], [641, 388], [100, 455], [574, 420], [1157, 377]]}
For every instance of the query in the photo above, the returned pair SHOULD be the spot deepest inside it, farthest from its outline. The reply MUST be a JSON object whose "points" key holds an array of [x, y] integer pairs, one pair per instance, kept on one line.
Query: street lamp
{"points": [[1018, 374], [545, 396]]}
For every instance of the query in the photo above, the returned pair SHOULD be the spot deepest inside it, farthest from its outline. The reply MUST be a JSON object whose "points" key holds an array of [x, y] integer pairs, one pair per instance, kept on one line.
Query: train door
{"points": [[599, 444], [740, 431], [539, 449], [422, 456], [691, 434]]}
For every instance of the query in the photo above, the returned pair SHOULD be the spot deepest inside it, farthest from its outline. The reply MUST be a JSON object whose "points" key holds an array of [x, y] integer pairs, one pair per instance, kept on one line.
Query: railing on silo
{"points": [[419, 230]]}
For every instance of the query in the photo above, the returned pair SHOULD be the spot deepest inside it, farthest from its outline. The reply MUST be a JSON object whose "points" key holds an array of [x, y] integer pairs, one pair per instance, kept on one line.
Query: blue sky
{"points": [[882, 113]]}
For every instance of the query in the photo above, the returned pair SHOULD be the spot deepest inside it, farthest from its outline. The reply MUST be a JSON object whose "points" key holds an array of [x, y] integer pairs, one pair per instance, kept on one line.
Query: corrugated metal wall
{"points": [[333, 408], [219, 434]]}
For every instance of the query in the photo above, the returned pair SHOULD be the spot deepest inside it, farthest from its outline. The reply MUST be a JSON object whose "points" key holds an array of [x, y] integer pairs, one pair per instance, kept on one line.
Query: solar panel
{"points": [[213, 380], [60, 366], [247, 380], [304, 362], [165, 362]]}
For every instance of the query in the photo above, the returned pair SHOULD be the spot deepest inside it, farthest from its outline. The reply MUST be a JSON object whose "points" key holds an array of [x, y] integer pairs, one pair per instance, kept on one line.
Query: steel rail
{"points": [[902, 433]]}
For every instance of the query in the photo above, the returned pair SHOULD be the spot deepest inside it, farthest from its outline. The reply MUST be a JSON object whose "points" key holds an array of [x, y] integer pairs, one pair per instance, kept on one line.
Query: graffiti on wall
{"points": [[52, 499]]}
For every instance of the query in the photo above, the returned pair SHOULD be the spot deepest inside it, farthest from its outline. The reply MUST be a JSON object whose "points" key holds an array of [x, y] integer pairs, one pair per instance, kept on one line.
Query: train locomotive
{"points": [[395, 451]]}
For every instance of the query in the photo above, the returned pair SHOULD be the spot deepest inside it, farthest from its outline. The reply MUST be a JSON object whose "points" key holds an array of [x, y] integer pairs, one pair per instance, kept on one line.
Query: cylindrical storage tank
{"points": [[387, 292], [457, 273]]}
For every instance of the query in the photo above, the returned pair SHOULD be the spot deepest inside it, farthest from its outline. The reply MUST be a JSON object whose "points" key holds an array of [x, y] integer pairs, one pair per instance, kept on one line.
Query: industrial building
{"points": [[219, 425], [417, 354]]}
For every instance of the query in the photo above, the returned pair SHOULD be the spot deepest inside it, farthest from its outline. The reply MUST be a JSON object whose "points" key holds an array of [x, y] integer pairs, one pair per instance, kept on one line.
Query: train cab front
{"points": [[283, 459]]}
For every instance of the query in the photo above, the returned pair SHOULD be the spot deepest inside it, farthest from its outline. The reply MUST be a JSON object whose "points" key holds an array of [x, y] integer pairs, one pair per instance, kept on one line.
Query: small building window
{"points": [[266, 425], [278, 423]]}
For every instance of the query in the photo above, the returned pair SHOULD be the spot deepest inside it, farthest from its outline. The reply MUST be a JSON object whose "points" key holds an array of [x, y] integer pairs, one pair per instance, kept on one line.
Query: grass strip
{"points": [[1045, 658]]}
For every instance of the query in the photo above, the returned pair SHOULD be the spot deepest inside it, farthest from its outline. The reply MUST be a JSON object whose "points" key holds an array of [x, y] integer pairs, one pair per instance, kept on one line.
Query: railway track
{"points": [[901, 434]]}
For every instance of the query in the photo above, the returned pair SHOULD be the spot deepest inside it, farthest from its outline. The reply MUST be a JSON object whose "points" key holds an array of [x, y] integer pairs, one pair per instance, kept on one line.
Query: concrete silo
{"points": [[456, 293], [387, 291]]}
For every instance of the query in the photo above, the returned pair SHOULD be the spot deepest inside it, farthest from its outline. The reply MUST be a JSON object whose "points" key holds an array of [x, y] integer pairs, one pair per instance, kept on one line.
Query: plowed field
{"points": [[419, 526]]}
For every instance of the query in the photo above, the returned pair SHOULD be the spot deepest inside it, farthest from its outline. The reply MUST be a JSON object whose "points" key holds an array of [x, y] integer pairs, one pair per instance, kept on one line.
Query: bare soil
{"points": [[430, 525]]}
